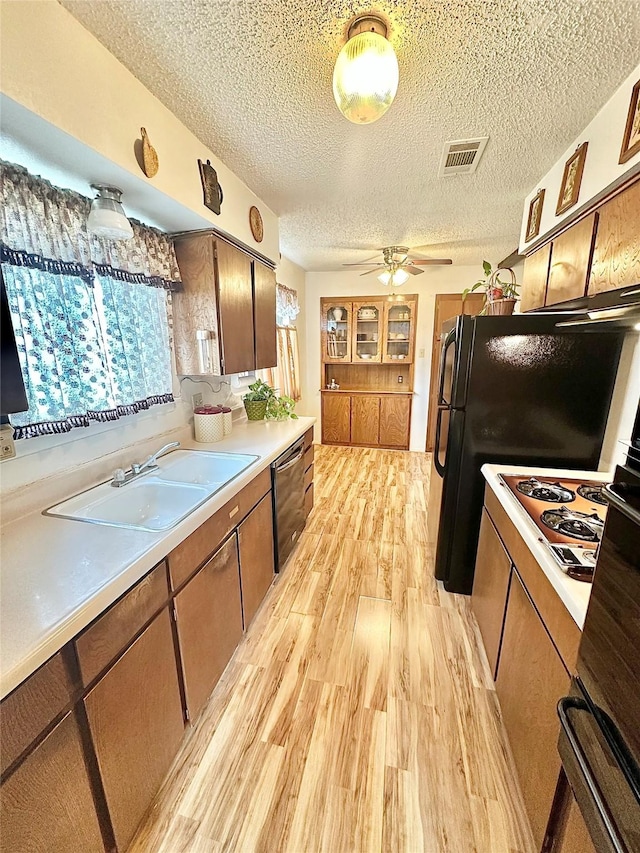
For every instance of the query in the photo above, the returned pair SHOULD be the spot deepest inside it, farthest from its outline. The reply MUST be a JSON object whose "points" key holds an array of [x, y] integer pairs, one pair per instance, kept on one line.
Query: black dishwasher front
{"points": [[287, 474]]}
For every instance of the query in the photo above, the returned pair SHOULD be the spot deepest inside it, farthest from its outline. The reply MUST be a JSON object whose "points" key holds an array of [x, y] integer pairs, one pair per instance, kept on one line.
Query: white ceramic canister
{"points": [[228, 419], [209, 424]]}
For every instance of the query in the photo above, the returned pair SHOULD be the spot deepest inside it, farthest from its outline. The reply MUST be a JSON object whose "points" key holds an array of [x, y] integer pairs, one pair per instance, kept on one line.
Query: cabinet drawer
{"points": [[308, 478], [32, 706], [308, 439], [111, 633], [197, 548], [309, 456]]}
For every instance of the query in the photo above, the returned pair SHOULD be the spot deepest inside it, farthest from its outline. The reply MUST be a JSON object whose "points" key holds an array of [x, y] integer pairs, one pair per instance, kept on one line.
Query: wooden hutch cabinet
{"points": [[368, 349]]}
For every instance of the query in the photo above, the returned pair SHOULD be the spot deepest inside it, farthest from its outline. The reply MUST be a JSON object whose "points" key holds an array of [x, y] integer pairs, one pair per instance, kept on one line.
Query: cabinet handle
{"points": [[234, 511]]}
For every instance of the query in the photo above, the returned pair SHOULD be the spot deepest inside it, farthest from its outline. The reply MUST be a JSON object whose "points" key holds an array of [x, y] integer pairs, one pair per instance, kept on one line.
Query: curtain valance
{"points": [[287, 307], [44, 227]]}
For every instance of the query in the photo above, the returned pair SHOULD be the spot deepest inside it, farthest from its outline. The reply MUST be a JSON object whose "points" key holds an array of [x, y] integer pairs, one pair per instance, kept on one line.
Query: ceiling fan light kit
{"points": [[394, 277], [365, 77]]}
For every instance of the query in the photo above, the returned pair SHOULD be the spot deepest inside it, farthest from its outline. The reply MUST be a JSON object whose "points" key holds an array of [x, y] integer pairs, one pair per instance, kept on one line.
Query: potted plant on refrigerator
{"points": [[500, 296]]}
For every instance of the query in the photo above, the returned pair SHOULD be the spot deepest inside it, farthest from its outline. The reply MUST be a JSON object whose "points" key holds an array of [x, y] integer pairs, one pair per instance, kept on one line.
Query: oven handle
{"points": [[619, 503], [564, 705]]}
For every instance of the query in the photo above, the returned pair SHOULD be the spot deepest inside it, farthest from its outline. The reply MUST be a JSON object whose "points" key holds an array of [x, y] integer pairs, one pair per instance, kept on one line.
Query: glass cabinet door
{"points": [[367, 331], [399, 331], [337, 331]]}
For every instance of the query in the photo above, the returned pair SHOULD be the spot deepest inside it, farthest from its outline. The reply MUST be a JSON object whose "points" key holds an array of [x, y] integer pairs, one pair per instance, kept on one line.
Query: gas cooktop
{"points": [[570, 515]]}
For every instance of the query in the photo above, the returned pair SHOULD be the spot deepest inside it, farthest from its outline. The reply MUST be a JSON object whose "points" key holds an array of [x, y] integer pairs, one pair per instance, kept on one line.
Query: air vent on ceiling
{"points": [[461, 156]]}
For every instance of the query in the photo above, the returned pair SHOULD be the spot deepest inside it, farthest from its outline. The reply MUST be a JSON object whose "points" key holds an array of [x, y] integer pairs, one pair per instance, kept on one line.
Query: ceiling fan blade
{"points": [[431, 261], [411, 269], [363, 265], [368, 272]]}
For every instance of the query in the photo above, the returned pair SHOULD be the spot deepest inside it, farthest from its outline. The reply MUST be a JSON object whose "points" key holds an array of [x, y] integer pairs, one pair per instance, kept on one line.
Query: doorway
{"points": [[448, 305]]}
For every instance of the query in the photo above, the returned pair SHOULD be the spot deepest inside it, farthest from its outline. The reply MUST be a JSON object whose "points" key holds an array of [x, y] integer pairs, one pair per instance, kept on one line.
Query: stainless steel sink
{"points": [[184, 481]]}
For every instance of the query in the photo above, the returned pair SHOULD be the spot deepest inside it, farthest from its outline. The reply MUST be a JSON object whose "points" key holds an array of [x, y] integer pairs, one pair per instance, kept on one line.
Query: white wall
{"points": [[52, 69], [293, 276], [434, 280], [604, 135]]}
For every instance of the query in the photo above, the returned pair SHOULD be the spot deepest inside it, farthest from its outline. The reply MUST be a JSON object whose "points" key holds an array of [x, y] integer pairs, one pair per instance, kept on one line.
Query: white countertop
{"points": [[57, 575], [573, 594]]}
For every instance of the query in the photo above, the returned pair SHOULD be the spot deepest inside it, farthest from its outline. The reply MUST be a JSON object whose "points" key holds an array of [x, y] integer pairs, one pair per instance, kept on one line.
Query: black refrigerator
{"points": [[513, 390]]}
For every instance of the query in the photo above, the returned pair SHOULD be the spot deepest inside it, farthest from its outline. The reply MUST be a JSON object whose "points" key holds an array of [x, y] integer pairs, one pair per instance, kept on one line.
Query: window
{"points": [[90, 316], [286, 376]]}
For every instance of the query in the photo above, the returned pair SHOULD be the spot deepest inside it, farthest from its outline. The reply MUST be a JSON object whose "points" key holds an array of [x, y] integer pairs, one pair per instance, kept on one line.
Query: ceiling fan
{"points": [[398, 264]]}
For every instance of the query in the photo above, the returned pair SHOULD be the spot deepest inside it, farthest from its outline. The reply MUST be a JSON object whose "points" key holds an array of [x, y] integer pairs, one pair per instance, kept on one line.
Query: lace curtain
{"points": [[287, 308], [90, 315]]}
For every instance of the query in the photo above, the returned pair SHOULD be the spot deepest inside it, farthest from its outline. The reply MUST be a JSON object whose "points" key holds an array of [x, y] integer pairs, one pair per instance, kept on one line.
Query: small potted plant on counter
{"points": [[262, 401], [500, 296], [281, 408]]}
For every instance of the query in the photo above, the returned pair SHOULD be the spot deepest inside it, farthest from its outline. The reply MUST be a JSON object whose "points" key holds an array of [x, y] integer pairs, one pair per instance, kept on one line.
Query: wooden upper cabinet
{"points": [[616, 255], [336, 418], [209, 621], [47, 804], [367, 322], [336, 330], [399, 331], [235, 309], [531, 679], [395, 419], [365, 419], [136, 722], [490, 585], [534, 279], [264, 315], [257, 565], [570, 261]]}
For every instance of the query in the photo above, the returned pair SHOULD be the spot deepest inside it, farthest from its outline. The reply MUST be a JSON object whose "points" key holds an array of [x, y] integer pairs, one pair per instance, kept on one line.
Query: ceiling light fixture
{"points": [[365, 77], [394, 277], [107, 217]]}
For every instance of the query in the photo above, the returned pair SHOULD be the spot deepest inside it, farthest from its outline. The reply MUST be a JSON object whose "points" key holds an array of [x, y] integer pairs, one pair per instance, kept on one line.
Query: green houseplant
{"points": [[262, 401], [500, 296], [281, 408]]}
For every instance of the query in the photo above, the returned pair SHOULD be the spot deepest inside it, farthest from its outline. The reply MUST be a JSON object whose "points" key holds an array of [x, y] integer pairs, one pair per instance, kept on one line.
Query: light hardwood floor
{"points": [[358, 714]]}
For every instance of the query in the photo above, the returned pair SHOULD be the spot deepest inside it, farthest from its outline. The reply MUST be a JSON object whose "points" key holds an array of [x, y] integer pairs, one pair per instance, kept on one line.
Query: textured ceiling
{"points": [[252, 79]]}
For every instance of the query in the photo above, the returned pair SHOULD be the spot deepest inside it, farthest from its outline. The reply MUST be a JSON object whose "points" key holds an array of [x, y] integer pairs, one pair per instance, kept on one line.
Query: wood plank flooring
{"points": [[358, 715]]}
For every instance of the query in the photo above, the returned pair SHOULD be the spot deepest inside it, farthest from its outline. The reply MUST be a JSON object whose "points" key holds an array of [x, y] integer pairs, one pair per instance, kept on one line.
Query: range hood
{"points": [[618, 309]]}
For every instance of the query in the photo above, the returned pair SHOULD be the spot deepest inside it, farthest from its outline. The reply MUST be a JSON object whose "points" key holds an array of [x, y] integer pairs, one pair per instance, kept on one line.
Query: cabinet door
{"points": [[365, 420], [336, 331], [336, 418], [264, 315], [534, 279], [255, 545], [490, 585], [570, 259], [135, 716], [395, 418], [209, 620], [46, 805], [366, 343], [235, 308], [531, 679], [399, 331], [616, 256]]}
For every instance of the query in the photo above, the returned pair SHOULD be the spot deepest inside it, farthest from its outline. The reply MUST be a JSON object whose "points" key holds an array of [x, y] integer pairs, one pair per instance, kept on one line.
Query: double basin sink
{"points": [[157, 501]]}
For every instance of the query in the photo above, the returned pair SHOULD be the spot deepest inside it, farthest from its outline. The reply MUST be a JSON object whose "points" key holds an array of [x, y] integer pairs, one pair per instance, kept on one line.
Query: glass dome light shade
{"points": [[107, 218], [365, 78], [395, 277]]}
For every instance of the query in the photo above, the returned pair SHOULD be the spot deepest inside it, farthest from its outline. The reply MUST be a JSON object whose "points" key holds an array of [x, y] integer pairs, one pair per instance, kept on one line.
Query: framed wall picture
{"points": [[631, 138], [571, 179], [535, 215]]}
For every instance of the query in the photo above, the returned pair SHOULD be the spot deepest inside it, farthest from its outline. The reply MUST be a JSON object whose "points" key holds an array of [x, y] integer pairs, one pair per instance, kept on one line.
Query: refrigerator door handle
{"points": [[436, 448], [450, 339]]}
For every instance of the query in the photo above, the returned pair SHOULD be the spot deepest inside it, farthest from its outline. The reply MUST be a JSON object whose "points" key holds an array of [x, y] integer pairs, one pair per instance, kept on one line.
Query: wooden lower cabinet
{"points": [[395, 419], [336, 418], [365, 419], [490, 585], [136, 722], [257, 563], [531, 679], [46, 805], [209, 622]]}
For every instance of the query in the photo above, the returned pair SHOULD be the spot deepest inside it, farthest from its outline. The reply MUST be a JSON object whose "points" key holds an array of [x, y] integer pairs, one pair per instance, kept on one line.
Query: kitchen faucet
{"points": [[139, 469]]}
